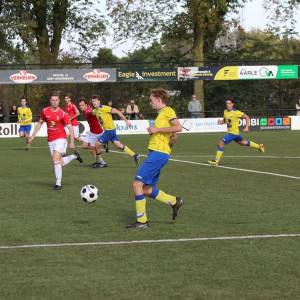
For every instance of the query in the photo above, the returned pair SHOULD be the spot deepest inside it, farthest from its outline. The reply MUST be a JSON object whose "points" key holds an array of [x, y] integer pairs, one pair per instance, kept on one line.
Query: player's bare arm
{"points": [[36, 130], [120, 114], [71, 131], [175, 127], [77, 114], [221, 121]]}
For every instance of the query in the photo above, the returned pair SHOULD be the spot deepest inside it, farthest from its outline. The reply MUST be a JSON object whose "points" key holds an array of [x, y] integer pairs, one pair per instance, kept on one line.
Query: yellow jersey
{"points": [[24, 116], [103, 113], [231, 117], [160, 141]]}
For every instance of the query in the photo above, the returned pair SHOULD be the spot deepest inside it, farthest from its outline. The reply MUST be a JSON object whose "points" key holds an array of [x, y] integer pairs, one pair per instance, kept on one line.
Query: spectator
{"points": [[13, 114], [132, 110], [298, 108], [2, 114], [110, 103], [194, 107]]}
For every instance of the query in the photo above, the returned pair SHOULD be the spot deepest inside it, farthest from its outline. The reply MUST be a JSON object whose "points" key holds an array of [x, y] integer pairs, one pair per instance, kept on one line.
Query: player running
{"points": [[56, 120], [73, 113], [95, 133], [104, 114], [25, 120], [162, 137], [231, 118]]}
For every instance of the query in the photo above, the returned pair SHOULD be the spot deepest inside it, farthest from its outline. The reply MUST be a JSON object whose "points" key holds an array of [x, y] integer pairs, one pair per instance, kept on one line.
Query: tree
{"points": [[39, 27], [201, 19]]}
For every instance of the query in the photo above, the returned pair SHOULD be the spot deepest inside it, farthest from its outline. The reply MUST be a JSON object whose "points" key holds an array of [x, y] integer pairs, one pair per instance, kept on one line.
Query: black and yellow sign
{"points": [[157, 74]]}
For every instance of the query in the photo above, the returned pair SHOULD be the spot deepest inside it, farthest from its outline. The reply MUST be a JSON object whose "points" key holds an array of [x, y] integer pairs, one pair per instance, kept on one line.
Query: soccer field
{"points": [[253, 196]]}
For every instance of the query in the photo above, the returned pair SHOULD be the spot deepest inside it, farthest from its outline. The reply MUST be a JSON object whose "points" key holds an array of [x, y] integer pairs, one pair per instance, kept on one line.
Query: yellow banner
{"points": [[228, 73]]}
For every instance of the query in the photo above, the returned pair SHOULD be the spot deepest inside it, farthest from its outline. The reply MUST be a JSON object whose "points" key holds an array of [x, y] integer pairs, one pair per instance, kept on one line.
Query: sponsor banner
{"points": [[268, 123], [9, 130], [197, 73], [257, 72], [157, 74], [287, 72], [227, 73], [238, 72], [57, 76]]}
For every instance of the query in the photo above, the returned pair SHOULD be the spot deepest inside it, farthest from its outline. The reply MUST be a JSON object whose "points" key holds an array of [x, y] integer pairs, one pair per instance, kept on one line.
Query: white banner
{"points": [[10, 130]]}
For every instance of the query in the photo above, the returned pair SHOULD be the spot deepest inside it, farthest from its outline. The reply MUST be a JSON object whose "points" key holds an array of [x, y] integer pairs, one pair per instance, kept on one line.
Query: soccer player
{"points": [[73, 113], [104, 114], [56, 120], [231, 118], [95, 133], [162, 137], [25, 120]]}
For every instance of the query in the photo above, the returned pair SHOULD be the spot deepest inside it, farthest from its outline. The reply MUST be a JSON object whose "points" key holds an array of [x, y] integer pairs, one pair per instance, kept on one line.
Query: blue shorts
{"points": [[25, 128], [149, 171], [108, 135], [229, 137]]}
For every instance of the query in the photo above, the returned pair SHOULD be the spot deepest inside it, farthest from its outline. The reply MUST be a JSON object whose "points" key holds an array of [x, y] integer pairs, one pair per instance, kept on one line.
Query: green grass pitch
{"points": [[218, 202]]}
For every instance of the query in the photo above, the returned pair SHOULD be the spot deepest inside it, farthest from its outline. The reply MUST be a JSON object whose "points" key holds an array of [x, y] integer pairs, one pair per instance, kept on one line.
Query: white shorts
{"points": [[59, 145], [92, 138], [76, 131]]}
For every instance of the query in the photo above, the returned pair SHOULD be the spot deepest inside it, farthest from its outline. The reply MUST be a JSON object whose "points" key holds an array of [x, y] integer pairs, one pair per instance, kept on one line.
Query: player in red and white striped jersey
{"points": [[56, 120]]}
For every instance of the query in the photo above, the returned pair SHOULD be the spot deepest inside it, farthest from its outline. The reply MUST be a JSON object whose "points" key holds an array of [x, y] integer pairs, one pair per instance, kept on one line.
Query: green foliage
{"points": [[38, 27]]}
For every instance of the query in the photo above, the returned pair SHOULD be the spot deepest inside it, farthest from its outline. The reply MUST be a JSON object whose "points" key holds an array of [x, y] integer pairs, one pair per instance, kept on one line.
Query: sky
{"points": [[254, 16]]}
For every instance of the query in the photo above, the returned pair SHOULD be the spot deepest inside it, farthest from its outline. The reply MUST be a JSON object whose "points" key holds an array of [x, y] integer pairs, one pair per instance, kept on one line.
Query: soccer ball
{"points": [[89, 193]]}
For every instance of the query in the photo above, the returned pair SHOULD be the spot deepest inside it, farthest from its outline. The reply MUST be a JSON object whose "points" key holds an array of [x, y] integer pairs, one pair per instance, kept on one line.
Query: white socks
{"points": [[68, 159], [58, 172]]}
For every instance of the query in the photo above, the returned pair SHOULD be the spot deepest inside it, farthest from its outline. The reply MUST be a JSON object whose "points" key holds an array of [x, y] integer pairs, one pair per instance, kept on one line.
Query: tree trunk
{"points": [[197, 10], [198, 57]]}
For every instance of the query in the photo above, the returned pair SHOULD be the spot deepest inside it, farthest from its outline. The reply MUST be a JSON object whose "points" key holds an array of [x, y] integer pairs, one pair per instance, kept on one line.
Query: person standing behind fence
{"points": [[298, 108], [194, 107], [13, 114], [132, 110], [25, 120], [2, 113]]}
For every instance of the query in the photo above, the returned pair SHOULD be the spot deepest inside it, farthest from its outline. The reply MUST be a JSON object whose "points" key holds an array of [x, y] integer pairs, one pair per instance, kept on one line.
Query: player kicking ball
{"points": [[25, 120], [93, 135], [104, 114], [231, 118], [162, 137], [56, 120]]}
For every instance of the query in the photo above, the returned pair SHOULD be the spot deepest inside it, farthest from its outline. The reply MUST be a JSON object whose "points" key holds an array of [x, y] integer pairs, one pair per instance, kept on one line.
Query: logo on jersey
{"points": [[52, 124], [23, 77], [96, 76]]}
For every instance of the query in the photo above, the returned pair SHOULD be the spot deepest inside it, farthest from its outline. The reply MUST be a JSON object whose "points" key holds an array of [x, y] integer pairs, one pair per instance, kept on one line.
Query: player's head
{"points": [[54, 100], [229, 103], [68, 97], [96, 100], [82, 104], [158, 98], [23, 101]]}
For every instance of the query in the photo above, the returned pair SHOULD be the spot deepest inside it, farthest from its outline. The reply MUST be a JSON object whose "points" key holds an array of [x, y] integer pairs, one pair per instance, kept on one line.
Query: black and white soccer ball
{"points": [[89, 193]]}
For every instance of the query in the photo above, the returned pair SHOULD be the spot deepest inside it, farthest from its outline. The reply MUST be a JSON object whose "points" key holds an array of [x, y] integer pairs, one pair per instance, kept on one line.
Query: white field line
{"points": [[162, 241], [239, 156], [225, 167]]}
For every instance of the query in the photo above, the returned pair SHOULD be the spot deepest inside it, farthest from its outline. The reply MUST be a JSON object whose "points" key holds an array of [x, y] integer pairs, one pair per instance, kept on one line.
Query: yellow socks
{"points": [[219, 154], [128, 151], [165, 198], [140, 205], [253, 145]]}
